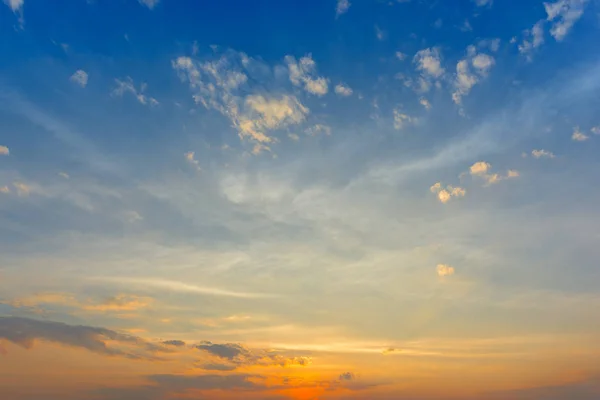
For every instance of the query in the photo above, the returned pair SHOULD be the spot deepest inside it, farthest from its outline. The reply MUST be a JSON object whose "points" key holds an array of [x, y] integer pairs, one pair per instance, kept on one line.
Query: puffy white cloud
{"points": [[342, 7], [534, 39], [401, 56], [579, 136], [444, 195], [149, 3], [425, 103], [127, 86], [470, 71], [401, 119], [482, 169], [15, 5], [595, 130], [303, 73], [542, 154], [429, 62], [343, 90], [444, 270], [4, 151], [564, 14], [80, 77], [222, 85]]}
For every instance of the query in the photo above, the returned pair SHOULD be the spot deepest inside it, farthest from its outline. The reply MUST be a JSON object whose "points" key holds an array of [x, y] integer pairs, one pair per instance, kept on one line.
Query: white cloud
{"points": [[64, 175], [482, 3], [22, 188], [15, 5], [180, 287], [534, 39], [303, 72], [222, 85], [444, 270], [444, 195], [470, 71], [343, 90], [425, 103], [579, 136], [379, 33], [564, 13], [429, 62], [401, 56], [595, 130], [342, 7], [80, 77], [542, 154], [127, 86], [482, 169], [317, 129], [190, 156], [149, 3], [4, 189], [401, 119], [4, 151]]}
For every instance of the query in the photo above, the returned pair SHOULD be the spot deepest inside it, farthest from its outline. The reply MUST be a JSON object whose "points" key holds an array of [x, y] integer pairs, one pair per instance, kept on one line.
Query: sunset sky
{"points": [[299, 199]]}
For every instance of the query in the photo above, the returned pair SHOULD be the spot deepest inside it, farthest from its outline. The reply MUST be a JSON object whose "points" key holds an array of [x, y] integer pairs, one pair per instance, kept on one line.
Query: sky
{"points": [[301, 199]]}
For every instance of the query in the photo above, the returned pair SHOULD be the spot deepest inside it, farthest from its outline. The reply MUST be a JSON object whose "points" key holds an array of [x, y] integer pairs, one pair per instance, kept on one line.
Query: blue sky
{"points": [[323, 179]]}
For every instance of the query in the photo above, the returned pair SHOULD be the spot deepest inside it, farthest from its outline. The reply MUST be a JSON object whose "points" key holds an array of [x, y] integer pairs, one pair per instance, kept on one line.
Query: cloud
{"points": [[117, 303], [180, 383], [80, 77], [542, 154], [303, 72], [64, 175], [318, 129], [564, 13], [534, 39], [470, 71], [149, 3], [180, 287], [482, 3], [444, 195], [120, 303], [482, 169], [190, 157], [222, 85], [4, 151], [347, 376], [379, 33], [579, 136], [342, 7], [24, 332], [343, 90], [4, 189], [176, 343], [401, 120], [237, 355], [444, 270], [22, 189], [127, 86], [15, 5], [425, 103], [595, 130], [429, 62]]}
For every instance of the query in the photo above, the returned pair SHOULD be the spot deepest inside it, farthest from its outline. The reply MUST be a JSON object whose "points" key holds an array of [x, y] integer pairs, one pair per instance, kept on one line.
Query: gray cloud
{"points": [[238, 355], [206, 382], [24, 332]]}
